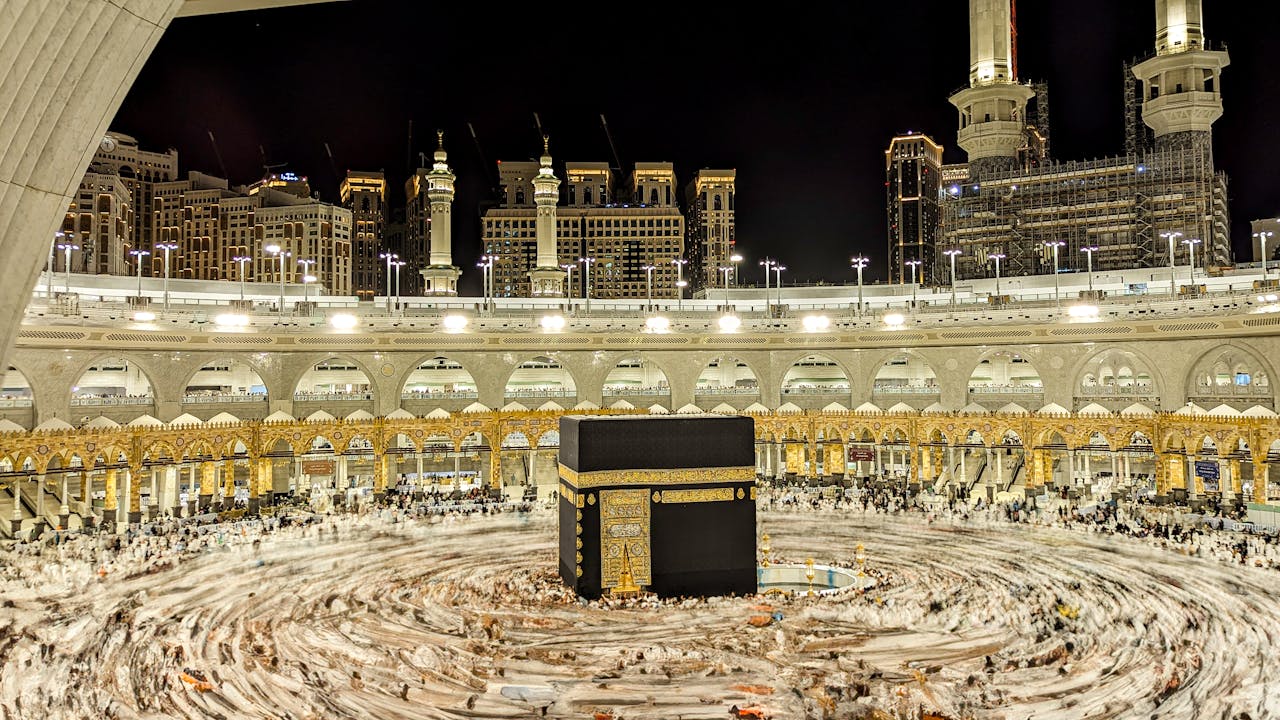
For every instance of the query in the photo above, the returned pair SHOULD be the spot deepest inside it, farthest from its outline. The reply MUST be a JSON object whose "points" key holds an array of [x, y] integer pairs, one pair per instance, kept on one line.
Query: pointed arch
{"points": [[223, 375], [727, 374], [335, 376], [815, 374], [636, 374], [439, 375], [540, 376], [108, 377]]}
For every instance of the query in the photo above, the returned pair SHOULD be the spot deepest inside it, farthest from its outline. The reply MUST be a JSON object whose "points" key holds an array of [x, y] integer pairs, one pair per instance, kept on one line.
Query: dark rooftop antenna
{"points": [[605, 124], [218, 154], [332, 165], [484, 163]]}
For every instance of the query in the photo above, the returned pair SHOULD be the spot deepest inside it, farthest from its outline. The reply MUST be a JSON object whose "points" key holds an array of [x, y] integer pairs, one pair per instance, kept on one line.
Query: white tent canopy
{"points": [[102, 421], [402, 414], [1013, 409], [657, 409], [7, 425], [725, 409], [586, 405], [789, 408], [689, 409], [974, 409], [145, 421], [1259, 411], [1053, 409], [622, 405], [360, 415], [437, 414], [1094, 410], [278, 416], [186, 419], [57, 424], [476, 407], [755, 408], [868, 408], [512, 406], [900, 408], [551, 405], [1190, 409], [934, 409], [1137, 410], [835, 407], [320, 416], [1225, 410]]}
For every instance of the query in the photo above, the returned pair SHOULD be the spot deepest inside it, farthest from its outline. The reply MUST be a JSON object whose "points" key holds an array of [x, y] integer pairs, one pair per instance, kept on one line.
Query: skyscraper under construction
{"points": [[1160, 203]]}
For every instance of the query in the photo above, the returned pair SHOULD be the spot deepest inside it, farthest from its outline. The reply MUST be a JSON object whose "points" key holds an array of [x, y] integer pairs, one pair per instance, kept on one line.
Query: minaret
{"points": [[546, 279], [1180, 85], [440, 274], [993, 107]]}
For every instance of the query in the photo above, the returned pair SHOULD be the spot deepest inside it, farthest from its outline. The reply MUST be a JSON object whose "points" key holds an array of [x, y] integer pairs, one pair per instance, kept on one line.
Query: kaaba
{"points": [[663, 503]]}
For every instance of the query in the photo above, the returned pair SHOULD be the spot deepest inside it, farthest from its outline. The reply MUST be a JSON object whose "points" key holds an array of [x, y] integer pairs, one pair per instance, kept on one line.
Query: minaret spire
{"points": [[546, 279], [441, 275], [993, 107], [1181, 92]]}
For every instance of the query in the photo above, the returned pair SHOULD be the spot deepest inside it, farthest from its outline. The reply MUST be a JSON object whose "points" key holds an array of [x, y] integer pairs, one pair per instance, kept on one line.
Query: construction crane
{"points": [[218, 154], [1013, 40], [605, 124]]}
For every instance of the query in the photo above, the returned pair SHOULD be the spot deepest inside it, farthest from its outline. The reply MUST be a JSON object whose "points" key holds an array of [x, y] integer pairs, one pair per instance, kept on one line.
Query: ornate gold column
{"points": [[795, 458], [1035, 467], [925, 475], [811, 450], [833, 462], [208, 483], [495, 468], [228, 484], [1260, 470], [135, 493], [1234, 467], [110, 507], [380, 475]]}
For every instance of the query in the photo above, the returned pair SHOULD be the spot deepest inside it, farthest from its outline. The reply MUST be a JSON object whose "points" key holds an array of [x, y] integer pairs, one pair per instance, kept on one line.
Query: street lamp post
{"points": [[952, 253], [398, 264], [485, 265], [1173, 285], [586, 278], [648, 280], [48, 273], [997, 257], [913, 264], [1191, 244], [242, 259], [138, 255], [726, 270], [778, 268], [390, 257], [1262, 238], [306, 273], [735, 259], [167, 248], [680, 286], [1055, 244], [860, 262], [568, 268], [1089, 250], [766, 264], [66, 264]]}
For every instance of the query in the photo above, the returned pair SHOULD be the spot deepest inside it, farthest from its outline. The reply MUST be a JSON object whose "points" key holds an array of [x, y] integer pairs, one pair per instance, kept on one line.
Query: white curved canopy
{"points": [[1053, 409], [360, 415], [550, 405], [835, 407], [586, 405], [725, 409], [186, 419], [689, 409], [437, 414], [1137, 410], [900, 407], [145, 421], [622, 405], [1259, 411], [656, 409], [974, 409], [58, 424], [476, 407], [1225, 410], [402, 414], [1094, 410], [102, 421], [278, 416], [789, 408], [1013, 409], [934, 409], [320, 416], [512, 406], [755, 408], [1191, 409], [868, 408], [7, 425]]}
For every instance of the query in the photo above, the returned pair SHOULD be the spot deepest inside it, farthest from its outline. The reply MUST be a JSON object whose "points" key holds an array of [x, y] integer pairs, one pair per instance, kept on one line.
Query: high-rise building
{"points": [[1162, 198], [209, 222], [139, 170], [913, 184], [415, 250], [308, 230], [617, 233], [1270, 226], [285, 182], [710, 229], [100, 221], [365, 195]]}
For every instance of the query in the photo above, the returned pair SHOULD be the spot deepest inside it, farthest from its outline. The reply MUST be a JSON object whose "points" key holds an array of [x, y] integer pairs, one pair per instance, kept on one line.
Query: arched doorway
{"points": [[17, 402], [1004, 377], [814, 381], [439, 382], [225, 385], [1116, 379], [726, 380], [905, 378], [639, 381], [1230, 376], [336, 385], [539, 378], [114, 387]]}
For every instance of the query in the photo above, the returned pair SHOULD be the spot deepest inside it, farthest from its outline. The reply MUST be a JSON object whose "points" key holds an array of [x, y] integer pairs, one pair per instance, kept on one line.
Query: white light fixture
{"points": [[894, 320], [816, 323], [144, 316], [343, 321], [657, 324], [1083, 312], [231, 320], [729, 323], [553, 323], [454, 323]]}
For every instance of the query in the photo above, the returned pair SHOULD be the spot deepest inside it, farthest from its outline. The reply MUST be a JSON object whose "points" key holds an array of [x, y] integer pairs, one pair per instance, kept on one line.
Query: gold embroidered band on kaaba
{"points": [[671, 476]]}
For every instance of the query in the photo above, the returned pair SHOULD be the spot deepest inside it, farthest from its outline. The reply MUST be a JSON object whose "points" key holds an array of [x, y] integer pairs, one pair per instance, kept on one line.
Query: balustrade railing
{"points": [[15, 402], [335, 396], [230, 398], [540, 393], [111, 400], [438, 395], [631, 390], [816, 390], [708, 390], [1006, 389]]}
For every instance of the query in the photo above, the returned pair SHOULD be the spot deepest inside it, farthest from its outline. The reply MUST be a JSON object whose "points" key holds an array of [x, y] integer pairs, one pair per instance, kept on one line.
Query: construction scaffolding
{"points": [[1119, 205]]}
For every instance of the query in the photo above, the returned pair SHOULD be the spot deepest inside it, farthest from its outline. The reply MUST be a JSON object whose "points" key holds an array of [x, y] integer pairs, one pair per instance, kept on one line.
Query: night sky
{"points": [[801, 100]]}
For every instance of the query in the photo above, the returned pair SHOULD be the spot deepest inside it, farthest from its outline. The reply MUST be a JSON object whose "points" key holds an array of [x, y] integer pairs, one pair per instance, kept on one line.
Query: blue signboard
{"points": [[1207, 469]]}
